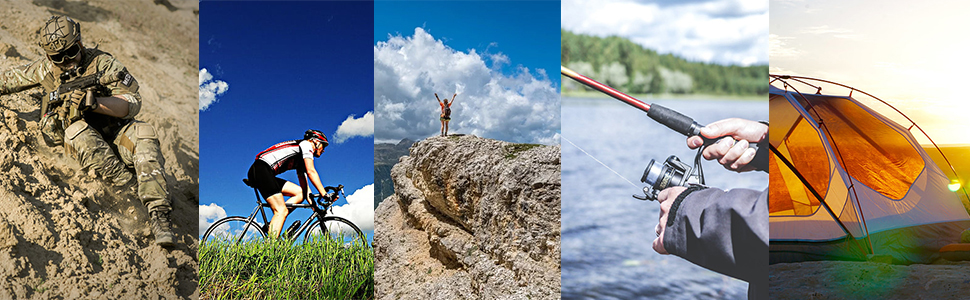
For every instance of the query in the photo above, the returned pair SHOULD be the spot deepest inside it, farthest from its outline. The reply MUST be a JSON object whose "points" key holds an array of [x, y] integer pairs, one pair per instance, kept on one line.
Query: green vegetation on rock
{"points": [[512, 150]]}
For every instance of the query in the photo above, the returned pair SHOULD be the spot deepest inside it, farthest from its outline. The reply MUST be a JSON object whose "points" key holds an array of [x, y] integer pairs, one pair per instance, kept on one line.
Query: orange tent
{"points": [[846, 182]]}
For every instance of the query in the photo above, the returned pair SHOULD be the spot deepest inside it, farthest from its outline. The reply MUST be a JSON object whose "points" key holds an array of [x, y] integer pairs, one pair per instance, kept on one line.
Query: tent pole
{"points": [[810, 188]]}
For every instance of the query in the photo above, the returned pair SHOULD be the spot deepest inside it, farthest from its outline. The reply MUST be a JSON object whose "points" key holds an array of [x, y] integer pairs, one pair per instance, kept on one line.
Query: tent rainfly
{"points": [[847, 182]]}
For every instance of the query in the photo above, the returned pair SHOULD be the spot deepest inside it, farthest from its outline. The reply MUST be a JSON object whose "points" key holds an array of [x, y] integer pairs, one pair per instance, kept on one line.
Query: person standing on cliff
{"points": [[96, 124], [290, 155], [725, 231], [445, 112]]}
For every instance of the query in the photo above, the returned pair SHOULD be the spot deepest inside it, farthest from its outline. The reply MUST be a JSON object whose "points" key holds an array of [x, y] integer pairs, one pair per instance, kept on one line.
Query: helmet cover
{"points": [[58, 34]]}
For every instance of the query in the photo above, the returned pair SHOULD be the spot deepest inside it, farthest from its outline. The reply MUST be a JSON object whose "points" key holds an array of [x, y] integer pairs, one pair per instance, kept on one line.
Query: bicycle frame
{"points": [[312, 203]]}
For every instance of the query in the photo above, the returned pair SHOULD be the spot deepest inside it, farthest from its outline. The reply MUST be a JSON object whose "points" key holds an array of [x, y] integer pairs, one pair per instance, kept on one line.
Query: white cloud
{"points": [[209, 89], [359, 208], [841, 33], [716, 31], [777, 48], [208, 214], [409, 70], [351, 127]]}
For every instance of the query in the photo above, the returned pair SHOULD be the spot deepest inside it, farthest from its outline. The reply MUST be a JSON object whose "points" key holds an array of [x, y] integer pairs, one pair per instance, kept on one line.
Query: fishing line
{"points": [[597, 160]]}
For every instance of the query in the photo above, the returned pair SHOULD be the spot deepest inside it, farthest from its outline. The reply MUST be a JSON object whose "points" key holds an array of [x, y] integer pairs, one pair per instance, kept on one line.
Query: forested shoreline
{"points": [[629, 67]]}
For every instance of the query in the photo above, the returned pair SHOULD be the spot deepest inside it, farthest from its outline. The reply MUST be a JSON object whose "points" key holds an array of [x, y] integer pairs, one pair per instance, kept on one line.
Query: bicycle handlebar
{"points": [[331, 192], [328, 189]]}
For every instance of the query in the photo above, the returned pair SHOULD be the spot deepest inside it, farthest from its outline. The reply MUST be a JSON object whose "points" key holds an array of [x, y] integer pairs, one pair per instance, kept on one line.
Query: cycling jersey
{"points": [[287, 155]]}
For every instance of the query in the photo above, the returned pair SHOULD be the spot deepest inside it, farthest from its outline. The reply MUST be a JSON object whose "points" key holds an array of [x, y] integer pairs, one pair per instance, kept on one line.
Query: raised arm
{"points": [[453, 99], [436, 97]]}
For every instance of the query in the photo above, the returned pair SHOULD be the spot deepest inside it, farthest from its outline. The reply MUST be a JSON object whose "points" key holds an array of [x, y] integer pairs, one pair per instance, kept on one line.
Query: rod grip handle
{"points": [[674, 120], [678, 122]]}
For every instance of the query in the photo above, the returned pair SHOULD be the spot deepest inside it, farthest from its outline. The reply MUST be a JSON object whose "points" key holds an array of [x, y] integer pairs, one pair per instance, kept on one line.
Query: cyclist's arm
{"points": [[306, 191], [311, 172]]}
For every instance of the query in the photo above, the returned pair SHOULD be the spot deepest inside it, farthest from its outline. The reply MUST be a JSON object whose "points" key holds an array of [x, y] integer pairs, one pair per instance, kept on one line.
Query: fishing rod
{"points": [[668, 117], [672, 172]]}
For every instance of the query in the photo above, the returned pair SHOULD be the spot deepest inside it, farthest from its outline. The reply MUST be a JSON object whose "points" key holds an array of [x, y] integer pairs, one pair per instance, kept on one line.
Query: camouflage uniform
{"points": [[133, 144]]}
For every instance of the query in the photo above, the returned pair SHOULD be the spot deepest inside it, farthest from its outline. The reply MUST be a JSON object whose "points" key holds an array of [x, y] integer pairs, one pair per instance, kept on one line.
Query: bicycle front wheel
{"points": [[232, 230], [338, 229]]}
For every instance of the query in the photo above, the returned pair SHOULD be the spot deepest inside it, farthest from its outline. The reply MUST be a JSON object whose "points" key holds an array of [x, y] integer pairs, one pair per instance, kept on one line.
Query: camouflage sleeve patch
{"points": [[126, 87], [127, 84]]}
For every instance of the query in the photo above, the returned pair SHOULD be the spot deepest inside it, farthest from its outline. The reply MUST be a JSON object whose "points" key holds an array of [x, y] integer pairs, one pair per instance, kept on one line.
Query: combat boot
{"points": [[161, 224]]}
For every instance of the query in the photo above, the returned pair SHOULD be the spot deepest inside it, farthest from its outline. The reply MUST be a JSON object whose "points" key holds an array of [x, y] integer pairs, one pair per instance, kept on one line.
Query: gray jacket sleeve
{"points": [[724, 231]]}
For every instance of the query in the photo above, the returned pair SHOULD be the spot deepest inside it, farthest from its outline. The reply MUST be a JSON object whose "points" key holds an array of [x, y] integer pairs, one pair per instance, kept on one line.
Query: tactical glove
{"points": [[78, 97]]}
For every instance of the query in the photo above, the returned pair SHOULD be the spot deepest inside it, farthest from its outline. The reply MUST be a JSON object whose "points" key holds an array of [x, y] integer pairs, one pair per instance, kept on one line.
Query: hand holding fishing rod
{"points": [[736, 153]]}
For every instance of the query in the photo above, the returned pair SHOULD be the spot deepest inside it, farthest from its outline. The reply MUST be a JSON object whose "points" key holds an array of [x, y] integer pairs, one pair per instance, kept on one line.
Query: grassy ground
{"points": [[277, 269]]}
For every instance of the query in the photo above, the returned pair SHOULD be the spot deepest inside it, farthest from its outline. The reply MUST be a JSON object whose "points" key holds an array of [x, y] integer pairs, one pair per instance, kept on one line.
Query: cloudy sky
{"points": [[913, 56], [500, 70], [717, 31], [260, 85]]}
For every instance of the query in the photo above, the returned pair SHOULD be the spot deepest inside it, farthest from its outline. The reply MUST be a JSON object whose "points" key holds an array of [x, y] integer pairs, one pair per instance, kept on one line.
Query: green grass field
{"points": [[278, 269]]}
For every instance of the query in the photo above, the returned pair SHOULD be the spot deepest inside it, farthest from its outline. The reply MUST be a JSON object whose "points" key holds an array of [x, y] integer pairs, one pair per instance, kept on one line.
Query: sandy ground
{"points": [[63, 234], [869, 280]]}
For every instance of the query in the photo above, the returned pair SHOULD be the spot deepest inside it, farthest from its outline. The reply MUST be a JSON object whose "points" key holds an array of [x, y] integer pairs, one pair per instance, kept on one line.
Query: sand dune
{"points": [[64, 234]]}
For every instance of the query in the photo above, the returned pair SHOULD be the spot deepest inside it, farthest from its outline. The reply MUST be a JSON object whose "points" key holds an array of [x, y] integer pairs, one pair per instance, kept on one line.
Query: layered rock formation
{"points": [[385, 157], [470, 218]]}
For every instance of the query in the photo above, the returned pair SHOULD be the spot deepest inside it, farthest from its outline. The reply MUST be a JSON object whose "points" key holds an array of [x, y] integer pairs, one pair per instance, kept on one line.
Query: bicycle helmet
{"points": [[317, 135], [59, 34]]}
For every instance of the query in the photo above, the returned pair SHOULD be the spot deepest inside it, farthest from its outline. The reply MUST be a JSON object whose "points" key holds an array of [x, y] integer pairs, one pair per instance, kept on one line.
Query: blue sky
{"points": [[525, 31], [268, 72], [499, 56]]}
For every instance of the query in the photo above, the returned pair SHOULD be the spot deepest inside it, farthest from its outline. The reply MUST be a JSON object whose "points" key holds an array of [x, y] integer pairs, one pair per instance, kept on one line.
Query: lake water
{"points": [[606, 233]]}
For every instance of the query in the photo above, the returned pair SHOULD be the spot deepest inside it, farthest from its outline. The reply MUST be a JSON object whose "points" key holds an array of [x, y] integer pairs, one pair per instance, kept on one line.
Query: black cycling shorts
{"points": [[263, 178]]}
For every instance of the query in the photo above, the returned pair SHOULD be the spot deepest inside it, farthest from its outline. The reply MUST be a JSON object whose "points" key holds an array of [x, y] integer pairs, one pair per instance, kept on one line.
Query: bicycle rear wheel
{"points": [[335, 228], [230, 229]]}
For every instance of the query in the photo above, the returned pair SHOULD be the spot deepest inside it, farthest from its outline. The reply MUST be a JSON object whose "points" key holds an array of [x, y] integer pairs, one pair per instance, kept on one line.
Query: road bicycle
{"points": [[237, 229]]}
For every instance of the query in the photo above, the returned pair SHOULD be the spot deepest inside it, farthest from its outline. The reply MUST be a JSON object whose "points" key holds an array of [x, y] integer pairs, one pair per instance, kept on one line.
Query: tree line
{"points": [[629, 67]]}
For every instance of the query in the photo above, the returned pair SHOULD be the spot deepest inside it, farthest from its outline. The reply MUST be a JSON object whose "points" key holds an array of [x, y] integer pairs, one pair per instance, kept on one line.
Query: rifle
{"points": [[95, 82]]}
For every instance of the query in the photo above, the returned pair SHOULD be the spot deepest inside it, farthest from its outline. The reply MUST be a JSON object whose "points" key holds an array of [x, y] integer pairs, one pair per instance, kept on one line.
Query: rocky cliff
{"points": [[470, 218], [385, 157]]}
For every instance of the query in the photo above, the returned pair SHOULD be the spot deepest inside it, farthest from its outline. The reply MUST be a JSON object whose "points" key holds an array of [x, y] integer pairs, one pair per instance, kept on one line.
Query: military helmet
{"points": [[316, 134], [59, 34]]}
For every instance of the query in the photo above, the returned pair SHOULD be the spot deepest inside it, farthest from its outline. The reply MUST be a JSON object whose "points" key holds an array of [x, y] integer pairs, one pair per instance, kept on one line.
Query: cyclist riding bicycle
{"points": [[289, 155]]}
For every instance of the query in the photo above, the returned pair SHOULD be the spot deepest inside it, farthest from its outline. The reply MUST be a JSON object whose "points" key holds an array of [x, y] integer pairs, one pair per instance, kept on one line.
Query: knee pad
{"points": [[91, 151]]}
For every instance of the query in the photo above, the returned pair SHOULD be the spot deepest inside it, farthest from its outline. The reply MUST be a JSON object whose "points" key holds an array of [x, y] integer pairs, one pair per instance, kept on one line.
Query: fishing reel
{"points": [[672, 172]]}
